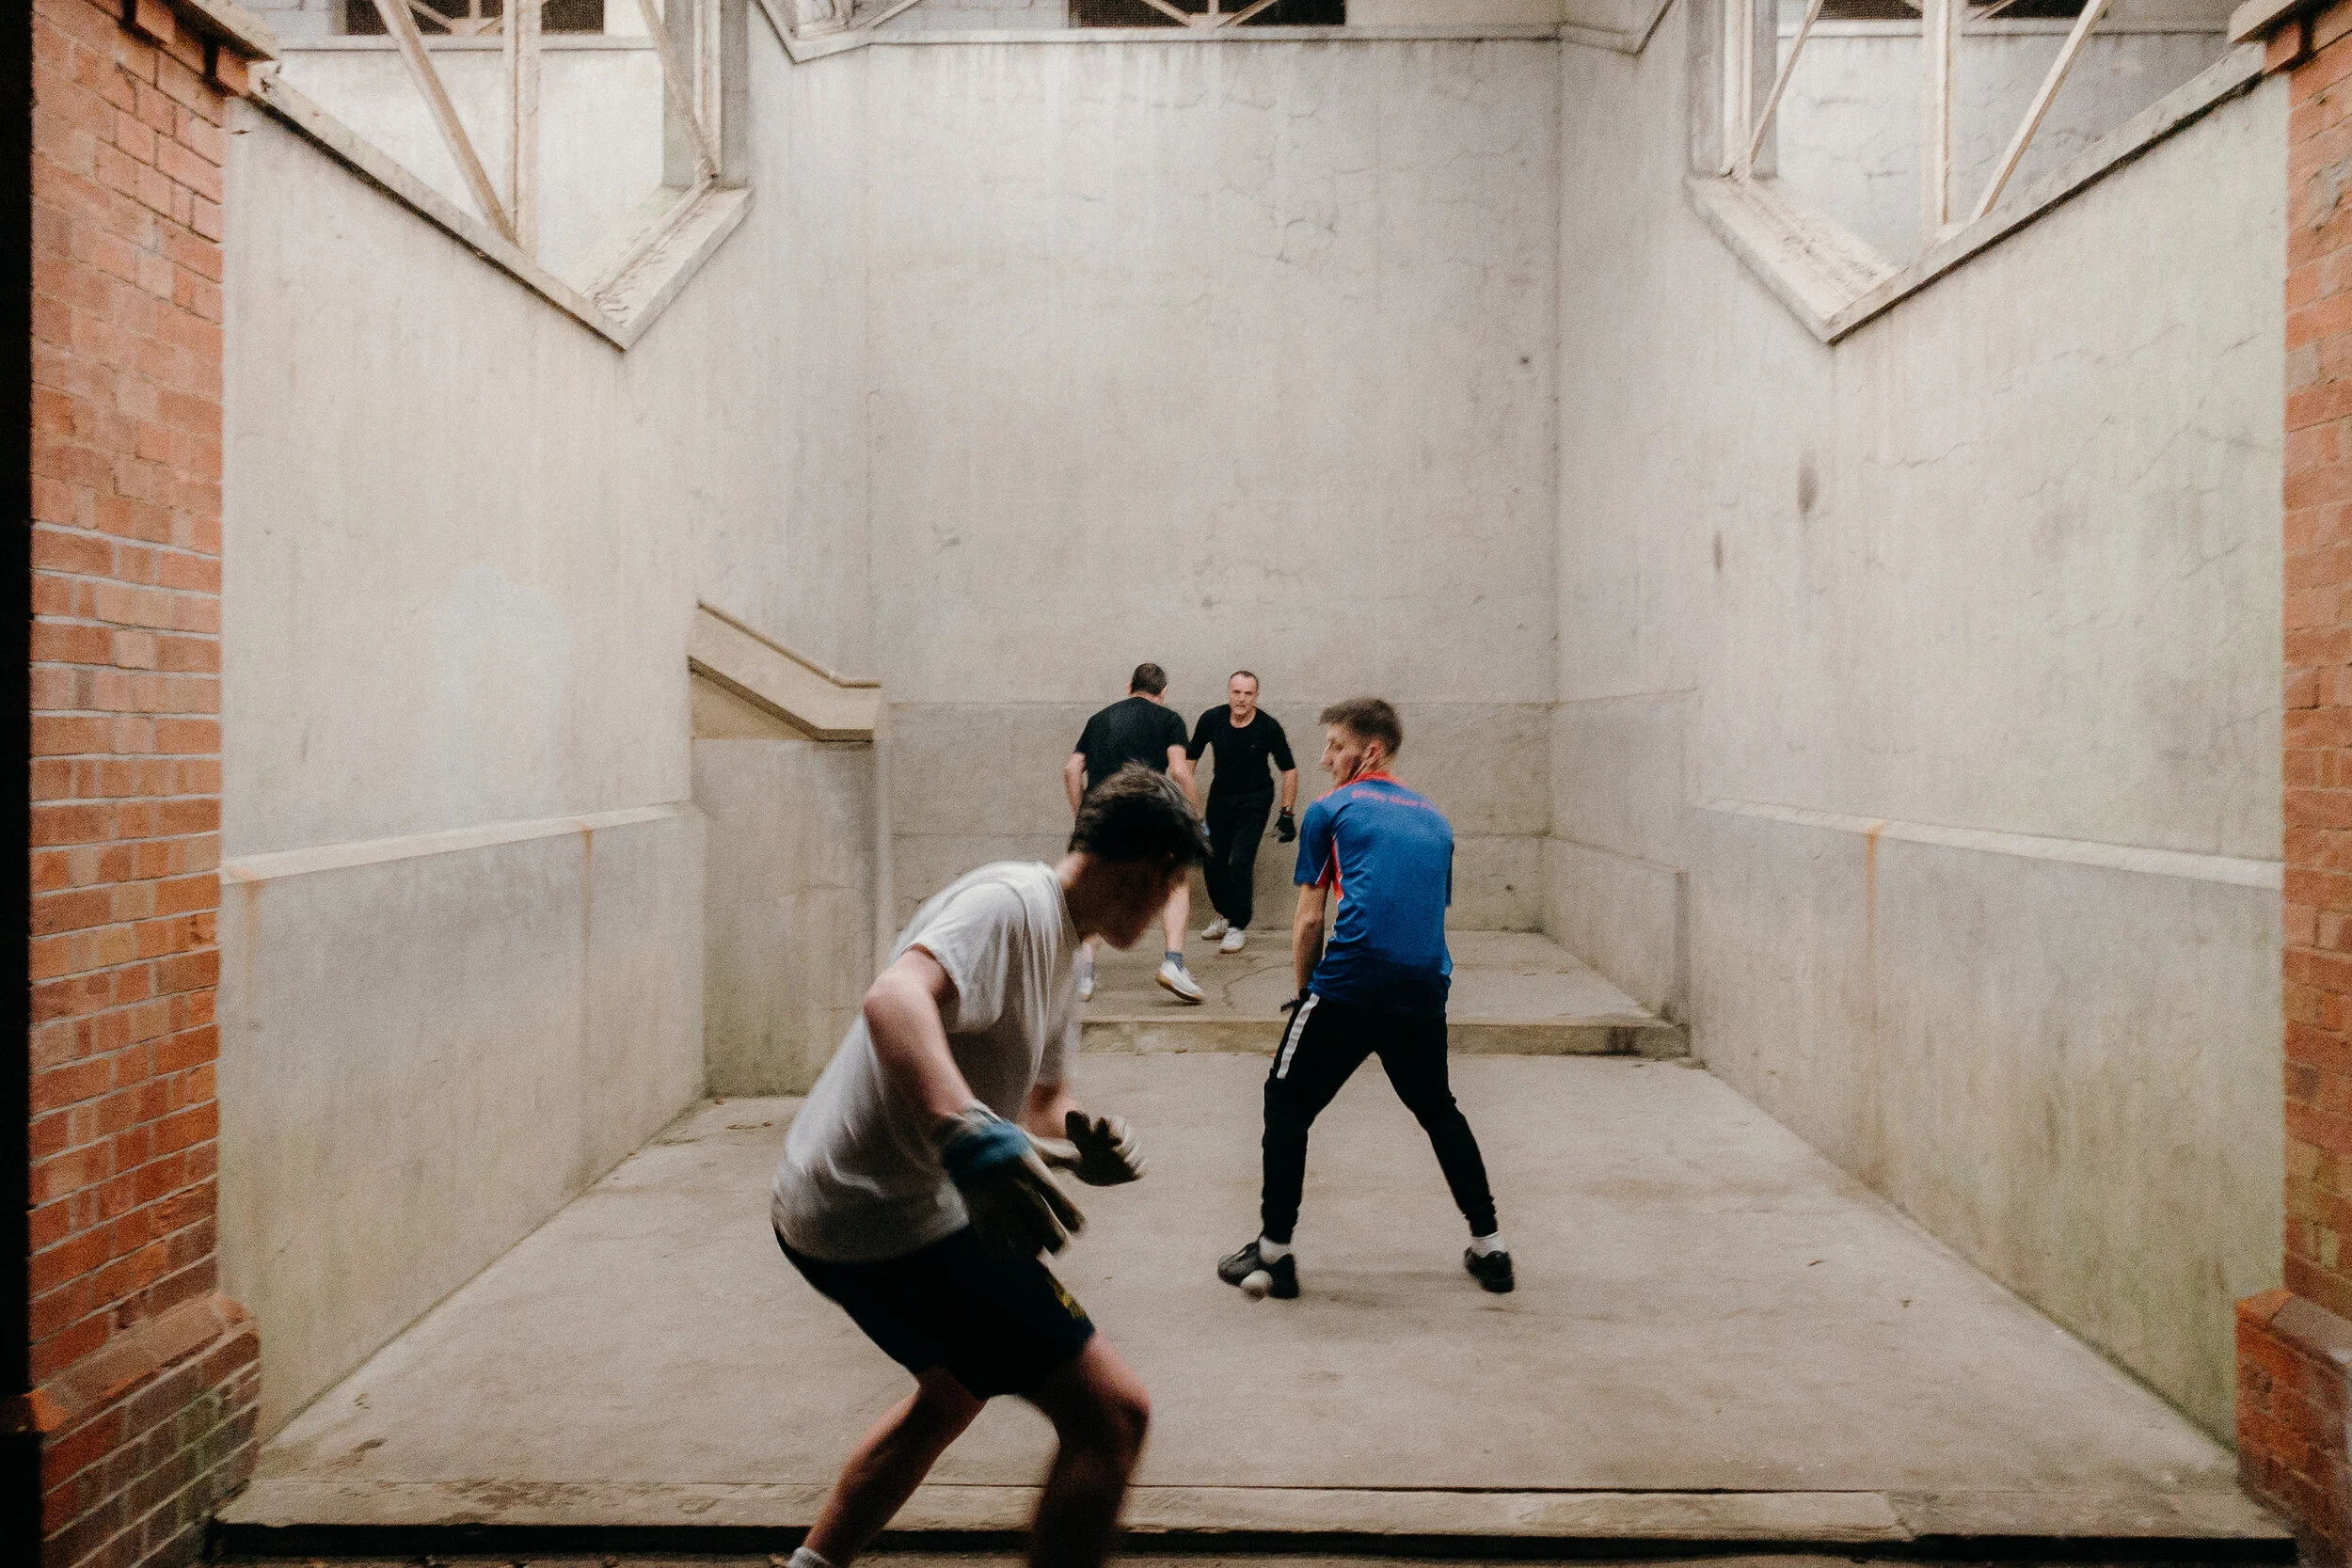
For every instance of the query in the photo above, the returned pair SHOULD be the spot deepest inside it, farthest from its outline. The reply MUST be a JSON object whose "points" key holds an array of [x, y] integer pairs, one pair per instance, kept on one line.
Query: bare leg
{"points": [[1173, 917], [889, 1464], [1100, 1413]]}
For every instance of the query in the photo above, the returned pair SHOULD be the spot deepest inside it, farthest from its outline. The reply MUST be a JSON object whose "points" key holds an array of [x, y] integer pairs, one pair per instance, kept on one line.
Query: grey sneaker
{"points": [[1174, 976]]}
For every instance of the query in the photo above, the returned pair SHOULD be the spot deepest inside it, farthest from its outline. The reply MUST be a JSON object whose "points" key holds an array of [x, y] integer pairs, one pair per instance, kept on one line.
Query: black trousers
{"points": [[1327, 1041], [1236, 827]]}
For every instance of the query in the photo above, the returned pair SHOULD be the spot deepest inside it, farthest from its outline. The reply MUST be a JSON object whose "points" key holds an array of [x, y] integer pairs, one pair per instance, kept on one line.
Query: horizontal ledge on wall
{"points": [[1834, 284], [788, 686], [282, 864], [2133, 857], [1630, 859], [1663, 694], [2012, 27]]}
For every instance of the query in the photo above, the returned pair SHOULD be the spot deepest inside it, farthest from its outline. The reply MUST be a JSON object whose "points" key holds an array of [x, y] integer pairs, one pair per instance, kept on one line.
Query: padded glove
{"points": [[1015, 1206], [1285, 827], [1101, 1151]]}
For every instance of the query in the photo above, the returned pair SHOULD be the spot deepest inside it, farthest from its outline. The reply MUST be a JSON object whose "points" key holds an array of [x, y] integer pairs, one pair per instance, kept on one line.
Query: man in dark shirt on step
{"points": [[1138, 729], [1240, 796]]}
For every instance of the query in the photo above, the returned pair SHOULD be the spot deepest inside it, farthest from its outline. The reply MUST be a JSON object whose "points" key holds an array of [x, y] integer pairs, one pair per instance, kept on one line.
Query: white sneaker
{"points": [[1214, 929], [1234, 938], [1173, 977], [1086, 979]]}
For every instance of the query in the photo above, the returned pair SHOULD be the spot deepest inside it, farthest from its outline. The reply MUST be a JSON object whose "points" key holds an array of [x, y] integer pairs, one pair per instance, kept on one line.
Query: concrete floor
{"points": [[1515, 992], [1717, 1336]]}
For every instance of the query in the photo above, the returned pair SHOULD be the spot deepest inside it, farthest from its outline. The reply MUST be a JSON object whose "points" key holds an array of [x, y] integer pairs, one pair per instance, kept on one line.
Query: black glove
{"points": [[1285, 827], [1015, 1206], [1291, 1006], [1099, 1150]]}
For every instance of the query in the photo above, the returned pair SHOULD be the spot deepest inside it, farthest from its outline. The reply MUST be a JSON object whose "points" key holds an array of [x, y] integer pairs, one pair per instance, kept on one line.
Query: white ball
{"points": [[1256, 1283]]}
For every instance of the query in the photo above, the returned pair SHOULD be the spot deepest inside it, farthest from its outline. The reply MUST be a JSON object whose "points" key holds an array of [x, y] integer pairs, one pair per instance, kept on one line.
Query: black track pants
{"points": [[1235, 828], [1327, 1041]]}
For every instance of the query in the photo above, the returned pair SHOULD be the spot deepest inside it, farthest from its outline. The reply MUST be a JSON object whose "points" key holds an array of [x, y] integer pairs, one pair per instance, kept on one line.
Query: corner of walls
{"points": [[1800, 567]]}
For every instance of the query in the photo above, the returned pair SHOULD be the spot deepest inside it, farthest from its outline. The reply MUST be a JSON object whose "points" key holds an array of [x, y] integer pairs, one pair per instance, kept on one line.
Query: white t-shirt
{"points": [[858, 1181]]}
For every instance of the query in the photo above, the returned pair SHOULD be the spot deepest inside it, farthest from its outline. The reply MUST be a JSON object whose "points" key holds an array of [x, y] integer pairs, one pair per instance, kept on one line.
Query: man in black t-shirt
{"points": [[1240, 795], [1138, 729]]}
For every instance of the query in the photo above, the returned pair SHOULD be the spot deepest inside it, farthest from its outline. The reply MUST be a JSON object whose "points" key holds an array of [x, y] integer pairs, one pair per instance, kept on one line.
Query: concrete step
{"points": [[1516, 993], [522, 1521]]}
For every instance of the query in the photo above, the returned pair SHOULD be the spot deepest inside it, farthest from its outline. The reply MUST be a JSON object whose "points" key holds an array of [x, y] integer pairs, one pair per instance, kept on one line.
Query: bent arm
{"points": [[1307, 934], [902, 1016], [1073, 779], [1180, 768]]}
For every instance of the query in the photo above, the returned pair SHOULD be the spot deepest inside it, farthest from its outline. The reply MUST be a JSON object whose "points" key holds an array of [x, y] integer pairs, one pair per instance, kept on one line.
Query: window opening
{"points": [[476, 18], [576, 155], [1208, 13], [1905, 119]]}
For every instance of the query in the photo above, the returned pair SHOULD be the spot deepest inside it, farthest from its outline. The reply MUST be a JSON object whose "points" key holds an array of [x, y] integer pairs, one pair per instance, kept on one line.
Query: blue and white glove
{"points": [[1015, 1206]]}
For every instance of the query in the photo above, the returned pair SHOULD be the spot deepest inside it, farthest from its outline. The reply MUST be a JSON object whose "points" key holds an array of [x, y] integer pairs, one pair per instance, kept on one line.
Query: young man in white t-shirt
{"points": [[914, 1188]]}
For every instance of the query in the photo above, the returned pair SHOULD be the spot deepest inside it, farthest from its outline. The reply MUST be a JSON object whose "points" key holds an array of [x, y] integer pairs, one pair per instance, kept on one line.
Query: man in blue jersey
{"points": [[1383, 856]]}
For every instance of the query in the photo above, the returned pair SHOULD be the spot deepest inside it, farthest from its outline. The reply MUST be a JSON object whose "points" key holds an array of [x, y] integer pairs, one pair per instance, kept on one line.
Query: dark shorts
{"points": [[999, 1325]]}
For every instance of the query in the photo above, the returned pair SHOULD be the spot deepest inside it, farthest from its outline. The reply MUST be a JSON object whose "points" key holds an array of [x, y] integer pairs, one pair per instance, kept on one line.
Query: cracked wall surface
{"points": [[1919, 705]]}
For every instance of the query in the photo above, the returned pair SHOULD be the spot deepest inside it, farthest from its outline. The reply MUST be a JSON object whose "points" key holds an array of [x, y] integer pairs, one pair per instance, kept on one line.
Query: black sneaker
{"points": [[1281, 1279], [1493, 1270]]}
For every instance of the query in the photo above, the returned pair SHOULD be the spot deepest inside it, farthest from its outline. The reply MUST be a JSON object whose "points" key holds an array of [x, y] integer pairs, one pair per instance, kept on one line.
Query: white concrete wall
{"points": [[1848, 131], [957, 801], [1237, 355], [2007, 559], [788, 906], [464, 540], [599, 124]]}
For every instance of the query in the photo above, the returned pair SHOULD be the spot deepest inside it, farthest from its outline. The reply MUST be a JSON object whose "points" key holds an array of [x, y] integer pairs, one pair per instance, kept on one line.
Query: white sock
{"points": [[803, 1558], [1488, 1245], [1272, 1252]]}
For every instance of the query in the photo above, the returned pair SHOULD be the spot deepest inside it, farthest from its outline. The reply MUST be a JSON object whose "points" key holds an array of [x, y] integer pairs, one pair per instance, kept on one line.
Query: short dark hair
{"points": [[1367, 718], [1139, 814], [1249, 676], [1149, 679]]}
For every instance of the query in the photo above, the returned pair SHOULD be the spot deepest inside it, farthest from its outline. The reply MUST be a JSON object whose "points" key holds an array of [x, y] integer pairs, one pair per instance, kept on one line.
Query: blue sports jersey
{"points": [[1386, 854]]}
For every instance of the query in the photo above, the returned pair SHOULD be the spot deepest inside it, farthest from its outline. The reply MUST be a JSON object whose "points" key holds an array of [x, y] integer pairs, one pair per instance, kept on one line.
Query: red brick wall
{"points": [[2290, 1417], [2319, 681], [144, 1380], [2290, 1388]]}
